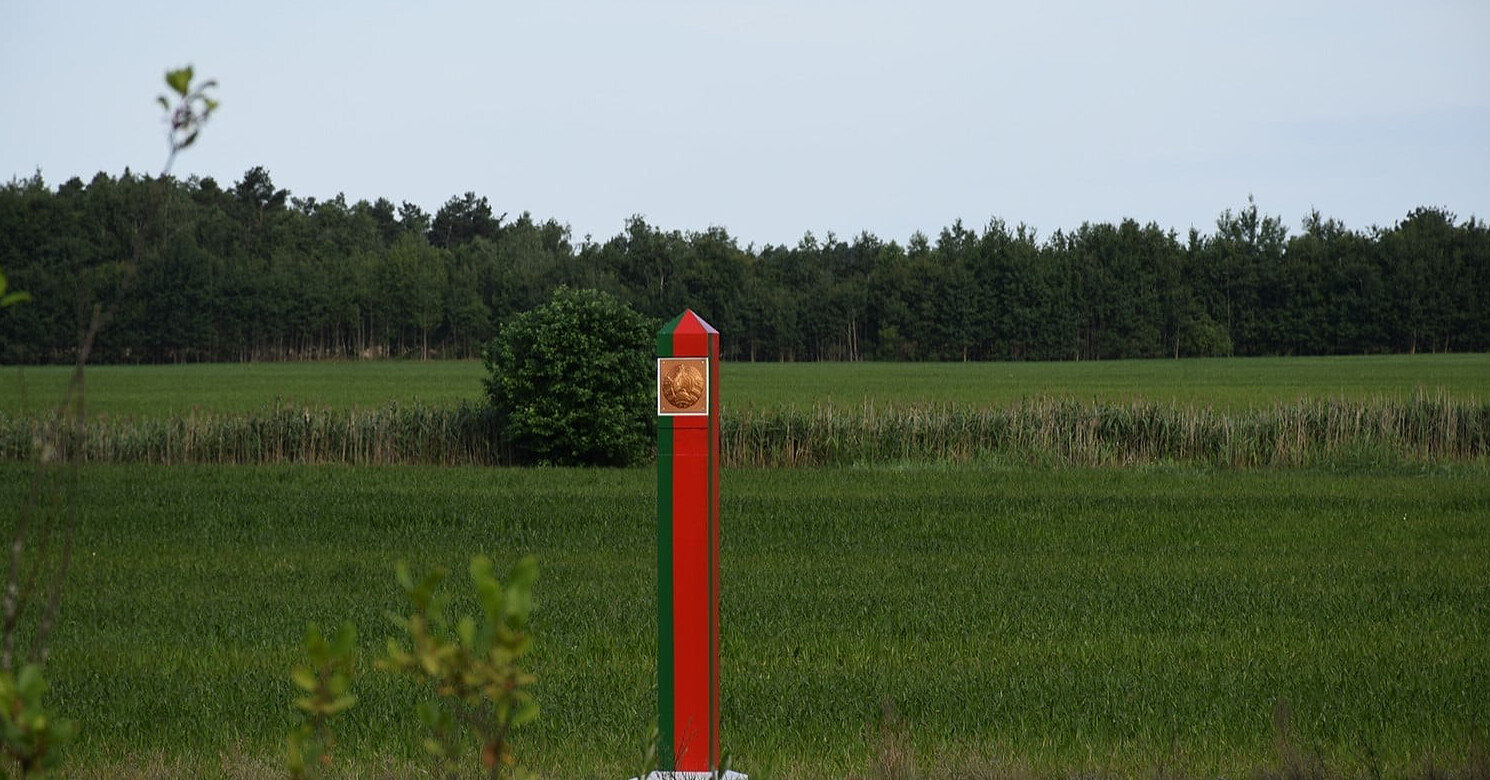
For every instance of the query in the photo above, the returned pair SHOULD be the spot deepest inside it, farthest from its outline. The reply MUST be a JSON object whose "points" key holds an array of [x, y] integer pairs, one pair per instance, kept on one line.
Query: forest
{"points": [[193, 271]]}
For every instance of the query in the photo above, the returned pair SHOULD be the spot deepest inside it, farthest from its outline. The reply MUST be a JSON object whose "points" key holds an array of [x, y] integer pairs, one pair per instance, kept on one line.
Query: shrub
{"points": [[472, 664], [30, 736], [570, 380]]}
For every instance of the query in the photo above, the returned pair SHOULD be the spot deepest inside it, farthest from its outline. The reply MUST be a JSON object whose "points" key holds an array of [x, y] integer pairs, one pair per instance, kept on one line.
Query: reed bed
{"points": [[1422, 429], [1048, 431], [461, 434]]}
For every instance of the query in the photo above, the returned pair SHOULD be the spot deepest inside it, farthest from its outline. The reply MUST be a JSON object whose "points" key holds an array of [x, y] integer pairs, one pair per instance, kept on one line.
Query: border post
{"points": [[688, 547]]}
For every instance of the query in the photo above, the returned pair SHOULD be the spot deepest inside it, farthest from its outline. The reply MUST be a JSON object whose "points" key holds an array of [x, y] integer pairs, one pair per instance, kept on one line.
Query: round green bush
{"points": [[571, 381]]}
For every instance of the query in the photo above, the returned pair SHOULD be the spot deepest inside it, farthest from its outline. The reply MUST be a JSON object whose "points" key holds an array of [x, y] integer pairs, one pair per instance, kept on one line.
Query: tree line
{"points": [[194, 271]]}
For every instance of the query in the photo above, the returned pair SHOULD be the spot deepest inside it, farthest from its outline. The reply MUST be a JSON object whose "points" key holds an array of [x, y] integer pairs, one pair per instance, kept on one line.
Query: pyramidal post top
{"points": [[687, 322], [688, 334]]}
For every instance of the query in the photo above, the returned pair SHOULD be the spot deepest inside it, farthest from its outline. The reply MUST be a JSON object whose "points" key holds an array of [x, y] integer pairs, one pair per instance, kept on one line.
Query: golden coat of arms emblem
{"points": [[682, 385]]}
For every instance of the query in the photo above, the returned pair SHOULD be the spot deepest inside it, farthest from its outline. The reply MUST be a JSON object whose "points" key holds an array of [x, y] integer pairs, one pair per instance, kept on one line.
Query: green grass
{"points": [[1065, 620], [157, 391], [1230, 383]]}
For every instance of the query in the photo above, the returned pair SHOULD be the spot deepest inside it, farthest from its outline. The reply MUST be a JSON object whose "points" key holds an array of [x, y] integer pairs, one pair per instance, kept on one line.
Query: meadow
{"points": [[1213, 567], [1176, 621], [1223, 383]]}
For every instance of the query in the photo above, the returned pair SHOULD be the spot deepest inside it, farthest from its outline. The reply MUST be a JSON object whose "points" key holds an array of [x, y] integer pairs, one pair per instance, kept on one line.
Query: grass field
{"points": [[1229, 383], [1141, 620], [1124, 621]]}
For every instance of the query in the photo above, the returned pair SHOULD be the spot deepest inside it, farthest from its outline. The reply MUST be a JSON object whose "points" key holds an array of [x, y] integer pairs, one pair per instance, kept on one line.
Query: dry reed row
{"points": [[1423, 429], [445, 435]]}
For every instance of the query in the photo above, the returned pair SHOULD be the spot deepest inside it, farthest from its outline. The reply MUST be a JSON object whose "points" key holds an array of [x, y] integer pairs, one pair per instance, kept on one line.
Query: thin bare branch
{"points": [[77, 394]]}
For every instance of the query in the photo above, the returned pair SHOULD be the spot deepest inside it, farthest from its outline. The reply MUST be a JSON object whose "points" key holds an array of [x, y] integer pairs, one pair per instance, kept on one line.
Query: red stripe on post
{"points": [[695, 561], [691, 608]]}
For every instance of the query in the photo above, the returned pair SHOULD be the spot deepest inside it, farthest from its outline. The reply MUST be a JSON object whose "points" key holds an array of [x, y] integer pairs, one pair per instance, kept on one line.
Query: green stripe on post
{"points": [[665, 708], [665, 692]]}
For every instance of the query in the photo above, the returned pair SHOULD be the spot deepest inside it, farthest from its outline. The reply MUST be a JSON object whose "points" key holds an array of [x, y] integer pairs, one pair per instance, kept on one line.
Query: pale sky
{"points": [[771, 118]]}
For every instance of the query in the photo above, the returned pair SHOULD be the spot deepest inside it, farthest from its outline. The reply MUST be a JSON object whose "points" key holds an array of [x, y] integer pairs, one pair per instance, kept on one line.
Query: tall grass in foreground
{"points": [[1052, 431], [1059, 622]]}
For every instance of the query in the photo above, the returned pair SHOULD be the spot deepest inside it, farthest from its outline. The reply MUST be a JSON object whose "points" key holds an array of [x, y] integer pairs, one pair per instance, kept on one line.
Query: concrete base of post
{"points": [[727, 775]]}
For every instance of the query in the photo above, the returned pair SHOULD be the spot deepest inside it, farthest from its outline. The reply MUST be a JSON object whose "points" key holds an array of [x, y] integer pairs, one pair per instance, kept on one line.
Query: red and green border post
{"points": [[688, 546]]}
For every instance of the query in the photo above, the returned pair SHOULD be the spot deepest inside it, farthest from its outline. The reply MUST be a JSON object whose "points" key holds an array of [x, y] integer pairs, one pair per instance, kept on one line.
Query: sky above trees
{"points": [[774, 117]]}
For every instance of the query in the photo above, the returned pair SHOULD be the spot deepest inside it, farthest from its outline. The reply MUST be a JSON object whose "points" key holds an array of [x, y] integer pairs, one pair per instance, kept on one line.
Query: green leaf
{"points": [[304, 678], [161, 99], [518, 603], [481, 568], [341, 704], [489, 596], [14, 298], [180, 80]]}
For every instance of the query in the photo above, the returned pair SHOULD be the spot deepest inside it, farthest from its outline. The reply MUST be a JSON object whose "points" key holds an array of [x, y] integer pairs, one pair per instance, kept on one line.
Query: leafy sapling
{"points": [[324, 685], [472, 664], [192, 107], [30, 736]]}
